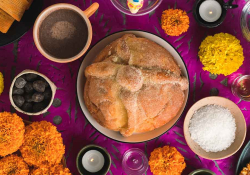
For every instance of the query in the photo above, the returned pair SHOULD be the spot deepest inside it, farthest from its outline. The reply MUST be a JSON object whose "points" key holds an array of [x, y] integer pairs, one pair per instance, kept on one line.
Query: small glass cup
{"points": [[241, 87], [134, 162]]}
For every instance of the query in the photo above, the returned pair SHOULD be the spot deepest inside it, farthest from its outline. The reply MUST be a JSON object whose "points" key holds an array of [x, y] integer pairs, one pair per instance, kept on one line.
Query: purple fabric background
{"points": [[77, 132]]}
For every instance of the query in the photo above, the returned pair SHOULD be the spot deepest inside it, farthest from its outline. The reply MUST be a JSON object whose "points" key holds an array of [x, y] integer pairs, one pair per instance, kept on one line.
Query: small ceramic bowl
{"points": [[107, 160], [148, 6], [240, 128], [51, 84], [202, 172]]}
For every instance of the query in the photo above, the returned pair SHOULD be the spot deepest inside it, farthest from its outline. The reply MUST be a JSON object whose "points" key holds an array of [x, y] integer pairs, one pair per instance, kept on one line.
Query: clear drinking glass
{"points": [[134, 162], [241, 87]]}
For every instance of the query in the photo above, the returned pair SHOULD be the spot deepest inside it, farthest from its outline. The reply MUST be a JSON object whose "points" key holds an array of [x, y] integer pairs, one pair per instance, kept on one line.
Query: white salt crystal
{"points": [[213, 128]]}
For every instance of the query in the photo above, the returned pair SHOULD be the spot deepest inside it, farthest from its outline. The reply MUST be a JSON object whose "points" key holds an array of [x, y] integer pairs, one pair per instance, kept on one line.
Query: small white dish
{"points": [[240, 122]]}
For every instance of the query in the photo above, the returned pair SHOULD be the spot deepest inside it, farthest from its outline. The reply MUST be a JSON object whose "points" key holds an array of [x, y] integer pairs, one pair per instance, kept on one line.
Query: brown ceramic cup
{"points": [[61, 6]]}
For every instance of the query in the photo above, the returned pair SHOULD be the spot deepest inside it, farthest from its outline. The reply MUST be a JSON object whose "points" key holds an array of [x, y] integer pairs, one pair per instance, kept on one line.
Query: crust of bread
{"points": [[134, 86]]}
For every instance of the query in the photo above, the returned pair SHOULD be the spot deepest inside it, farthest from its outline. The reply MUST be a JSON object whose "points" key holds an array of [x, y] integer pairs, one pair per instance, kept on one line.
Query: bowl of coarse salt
{"points": [[215, 128]]}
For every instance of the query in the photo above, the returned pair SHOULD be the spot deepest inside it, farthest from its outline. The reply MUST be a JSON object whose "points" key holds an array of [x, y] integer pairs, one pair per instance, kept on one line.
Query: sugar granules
{"points": [[213, 128]]}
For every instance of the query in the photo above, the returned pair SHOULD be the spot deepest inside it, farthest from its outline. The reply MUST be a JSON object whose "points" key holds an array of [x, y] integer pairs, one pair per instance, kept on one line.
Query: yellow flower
{"points": [[11, 133], [221, 54], [49, 170], [174, 22], [13, 165], [1, 83], [43, 144], [166, 161]]}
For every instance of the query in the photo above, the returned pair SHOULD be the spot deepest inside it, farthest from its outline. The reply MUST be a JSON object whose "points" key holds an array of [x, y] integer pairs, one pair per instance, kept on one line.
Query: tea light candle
{"points": [[210, 10], [93, 161]]}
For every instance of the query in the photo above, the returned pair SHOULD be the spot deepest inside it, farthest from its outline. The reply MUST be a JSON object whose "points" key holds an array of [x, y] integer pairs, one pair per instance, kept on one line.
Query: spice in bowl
{"points": [[31, 93], [213, 128], [174, 22]]}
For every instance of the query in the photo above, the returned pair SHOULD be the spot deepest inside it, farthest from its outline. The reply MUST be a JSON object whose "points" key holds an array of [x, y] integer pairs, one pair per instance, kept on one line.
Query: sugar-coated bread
{"points": [[134, 86]]}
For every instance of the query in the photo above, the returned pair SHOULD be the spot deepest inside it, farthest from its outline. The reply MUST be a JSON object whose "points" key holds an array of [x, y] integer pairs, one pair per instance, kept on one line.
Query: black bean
{"points": [[31, 77], [27, 107], [28, 98], [57, 120], [28, 87], [57, 102], [20, 82], [47, 94], [45, 82], [39, 86], [37, 97], [18, 100], [17, 91], [37, 107]]}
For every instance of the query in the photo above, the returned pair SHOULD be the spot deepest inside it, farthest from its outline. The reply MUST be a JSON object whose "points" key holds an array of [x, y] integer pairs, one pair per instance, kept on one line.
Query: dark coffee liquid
{"points": [[63, 33]]}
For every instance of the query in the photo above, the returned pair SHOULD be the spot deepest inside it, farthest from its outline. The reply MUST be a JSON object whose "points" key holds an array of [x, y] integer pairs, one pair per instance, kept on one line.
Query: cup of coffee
{"points": [[63, 32]]}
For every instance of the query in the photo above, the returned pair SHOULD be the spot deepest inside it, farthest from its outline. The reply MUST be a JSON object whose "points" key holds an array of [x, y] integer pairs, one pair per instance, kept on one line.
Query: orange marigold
{"points": [[166, 161], [11, 133], [13, 165], [174, 22], [43, 144], [53, 170]]}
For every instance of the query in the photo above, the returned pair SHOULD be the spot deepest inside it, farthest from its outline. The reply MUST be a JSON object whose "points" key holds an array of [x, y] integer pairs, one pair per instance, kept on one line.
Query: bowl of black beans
{"points": [[32, 93]]}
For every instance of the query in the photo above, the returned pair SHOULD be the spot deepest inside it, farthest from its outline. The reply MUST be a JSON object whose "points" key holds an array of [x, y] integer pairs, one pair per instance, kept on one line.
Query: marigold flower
{"points": [[166, 161], [221, 54], [1, 83], [174, 22], [43, 144], [13, 165], [53, 170], [11, 133]]}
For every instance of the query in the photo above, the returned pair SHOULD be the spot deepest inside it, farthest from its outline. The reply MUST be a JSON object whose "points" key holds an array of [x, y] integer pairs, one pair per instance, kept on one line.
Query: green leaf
{"points": [[224, 82]]}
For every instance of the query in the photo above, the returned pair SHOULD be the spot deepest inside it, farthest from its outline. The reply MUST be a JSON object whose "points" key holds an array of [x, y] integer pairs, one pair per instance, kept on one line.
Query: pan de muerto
{"points": [[134, 86]]}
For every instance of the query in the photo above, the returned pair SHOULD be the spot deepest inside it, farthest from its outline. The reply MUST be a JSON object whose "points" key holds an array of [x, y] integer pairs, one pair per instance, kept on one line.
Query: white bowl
{"points": [[240, 122], [89, 58], [51, 84]]}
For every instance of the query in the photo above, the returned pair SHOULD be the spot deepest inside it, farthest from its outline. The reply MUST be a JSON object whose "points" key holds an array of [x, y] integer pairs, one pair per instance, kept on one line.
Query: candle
{"points": [[93, 161], [210, 10]]}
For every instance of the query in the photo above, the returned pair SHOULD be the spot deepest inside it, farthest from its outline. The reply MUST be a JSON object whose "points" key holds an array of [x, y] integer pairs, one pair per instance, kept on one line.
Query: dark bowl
{"points": [[203, 23], [105, 154], [202, 172]]}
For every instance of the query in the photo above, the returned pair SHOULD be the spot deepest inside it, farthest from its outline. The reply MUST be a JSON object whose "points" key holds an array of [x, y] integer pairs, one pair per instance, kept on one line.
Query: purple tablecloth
{"points": [[77, 132]]}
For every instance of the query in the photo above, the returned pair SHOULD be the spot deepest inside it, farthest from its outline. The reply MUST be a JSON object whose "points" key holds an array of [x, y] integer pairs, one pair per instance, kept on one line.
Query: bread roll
{"points": [[134, 86]]}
